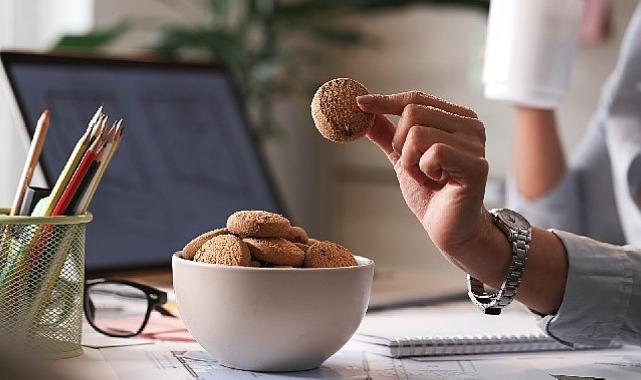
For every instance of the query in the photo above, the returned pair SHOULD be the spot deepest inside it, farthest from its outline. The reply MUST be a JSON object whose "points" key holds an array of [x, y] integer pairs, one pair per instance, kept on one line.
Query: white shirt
{"points": [[596, 198]]}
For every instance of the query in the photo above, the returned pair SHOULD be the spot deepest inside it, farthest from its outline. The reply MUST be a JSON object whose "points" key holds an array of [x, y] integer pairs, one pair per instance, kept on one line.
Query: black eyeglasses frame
{"points": [[155, 299]]}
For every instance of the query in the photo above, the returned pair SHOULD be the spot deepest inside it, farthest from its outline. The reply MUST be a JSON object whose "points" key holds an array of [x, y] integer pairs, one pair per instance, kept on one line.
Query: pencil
{"points": [[35, 149], [79, 174], [72, 163], [105, 158]]}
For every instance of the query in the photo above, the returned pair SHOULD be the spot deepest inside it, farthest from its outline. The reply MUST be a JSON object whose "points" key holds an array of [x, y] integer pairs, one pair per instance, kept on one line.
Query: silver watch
{"points": [[519, 234]]}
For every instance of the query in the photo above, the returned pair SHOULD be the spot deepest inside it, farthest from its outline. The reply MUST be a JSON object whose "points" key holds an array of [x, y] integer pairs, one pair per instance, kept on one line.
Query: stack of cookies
{"points": [[265, 239]]}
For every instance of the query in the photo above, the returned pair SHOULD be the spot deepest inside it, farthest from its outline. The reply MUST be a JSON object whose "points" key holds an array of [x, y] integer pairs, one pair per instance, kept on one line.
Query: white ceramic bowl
{"points": [[271, 319]]}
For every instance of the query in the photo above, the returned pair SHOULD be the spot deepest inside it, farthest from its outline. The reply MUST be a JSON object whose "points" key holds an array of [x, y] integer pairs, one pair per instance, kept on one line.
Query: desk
{"points": [[183, 361]]}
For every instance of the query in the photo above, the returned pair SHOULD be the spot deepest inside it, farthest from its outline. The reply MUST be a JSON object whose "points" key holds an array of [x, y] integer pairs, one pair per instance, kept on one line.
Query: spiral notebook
{"points": [[457, 330]]}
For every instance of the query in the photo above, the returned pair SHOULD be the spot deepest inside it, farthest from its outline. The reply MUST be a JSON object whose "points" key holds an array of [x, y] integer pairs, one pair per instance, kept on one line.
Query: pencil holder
{"points": [[42, 264]]}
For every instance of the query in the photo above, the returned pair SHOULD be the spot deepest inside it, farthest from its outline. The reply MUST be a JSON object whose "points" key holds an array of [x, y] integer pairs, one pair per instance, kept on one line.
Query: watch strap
{"points": [[492, 303]]}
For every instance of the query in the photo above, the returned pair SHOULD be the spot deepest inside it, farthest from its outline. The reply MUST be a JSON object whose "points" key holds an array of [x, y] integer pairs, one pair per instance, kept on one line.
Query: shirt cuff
{"points": [[597, 293]]}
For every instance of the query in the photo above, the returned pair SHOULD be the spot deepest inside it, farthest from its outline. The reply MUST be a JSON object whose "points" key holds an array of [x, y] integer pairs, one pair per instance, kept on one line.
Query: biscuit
{"points": [[297, 235], [336, 113], [302, 246], [224, 250], [189, 251], [258, 224], [327, 254], [277, 251]]}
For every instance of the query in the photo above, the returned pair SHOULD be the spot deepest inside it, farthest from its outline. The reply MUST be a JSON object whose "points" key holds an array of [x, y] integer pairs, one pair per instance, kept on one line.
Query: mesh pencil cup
{"points": [[42, 264]]}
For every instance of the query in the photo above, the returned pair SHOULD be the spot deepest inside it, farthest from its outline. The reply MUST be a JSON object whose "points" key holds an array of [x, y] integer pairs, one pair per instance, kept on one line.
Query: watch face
{"points": [[513, 219]]}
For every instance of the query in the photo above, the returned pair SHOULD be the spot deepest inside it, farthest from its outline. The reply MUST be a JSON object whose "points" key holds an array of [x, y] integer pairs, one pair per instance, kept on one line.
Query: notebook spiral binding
{"points": [[419, 346]]}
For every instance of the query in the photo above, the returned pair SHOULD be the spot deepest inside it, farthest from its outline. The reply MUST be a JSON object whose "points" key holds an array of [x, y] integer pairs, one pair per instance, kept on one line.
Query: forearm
{"points": [[538, 156], [543, 283]]}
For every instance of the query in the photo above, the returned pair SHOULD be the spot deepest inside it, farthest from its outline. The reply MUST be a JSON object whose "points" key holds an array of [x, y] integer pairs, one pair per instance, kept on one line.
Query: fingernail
{"points": [[365, 99]]}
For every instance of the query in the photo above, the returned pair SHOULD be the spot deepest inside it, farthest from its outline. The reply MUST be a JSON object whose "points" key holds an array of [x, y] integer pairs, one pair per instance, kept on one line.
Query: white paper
{"points": [[458, 320], [188, 361]]}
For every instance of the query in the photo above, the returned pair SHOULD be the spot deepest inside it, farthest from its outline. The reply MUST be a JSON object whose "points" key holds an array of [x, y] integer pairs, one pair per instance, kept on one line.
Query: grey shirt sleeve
{"points": [[583, 202], [602, 299]]}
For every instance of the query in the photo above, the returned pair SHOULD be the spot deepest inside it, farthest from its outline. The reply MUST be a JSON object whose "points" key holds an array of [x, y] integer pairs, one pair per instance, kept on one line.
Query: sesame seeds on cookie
{"points": [[189, 251], [256, 223], [277, 251], [225, 250], [327, 254], [335, 112]]}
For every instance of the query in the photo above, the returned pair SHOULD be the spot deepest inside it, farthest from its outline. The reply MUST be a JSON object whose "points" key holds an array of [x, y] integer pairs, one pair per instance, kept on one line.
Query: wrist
{"points": [[488, 255]]}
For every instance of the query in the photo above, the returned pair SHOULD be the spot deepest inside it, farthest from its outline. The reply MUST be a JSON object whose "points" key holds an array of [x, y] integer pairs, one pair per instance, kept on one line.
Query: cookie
{"points": [[258, 224], [335, 112], [327, 254], [297, 235], [224, 250], [189, 251], [277, 251], [312, 241], [303, 247]]}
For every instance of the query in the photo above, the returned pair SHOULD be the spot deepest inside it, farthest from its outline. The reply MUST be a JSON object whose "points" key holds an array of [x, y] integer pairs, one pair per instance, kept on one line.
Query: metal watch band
{"points": [[492, 303]]}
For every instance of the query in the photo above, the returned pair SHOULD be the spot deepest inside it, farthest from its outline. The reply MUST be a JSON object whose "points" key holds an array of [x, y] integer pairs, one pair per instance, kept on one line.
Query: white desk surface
{"points": [[185, 361]]}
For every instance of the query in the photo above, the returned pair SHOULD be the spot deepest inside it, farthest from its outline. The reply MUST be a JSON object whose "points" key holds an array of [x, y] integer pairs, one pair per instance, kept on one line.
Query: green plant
{"points": [[252, 37]]}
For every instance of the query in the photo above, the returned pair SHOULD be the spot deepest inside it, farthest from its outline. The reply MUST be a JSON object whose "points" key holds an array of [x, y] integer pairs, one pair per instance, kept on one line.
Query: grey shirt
{"points": [[596, 198]]}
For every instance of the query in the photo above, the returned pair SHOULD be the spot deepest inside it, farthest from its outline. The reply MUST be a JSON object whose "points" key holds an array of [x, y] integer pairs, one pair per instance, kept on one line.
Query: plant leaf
{"points": [[93, 40]]}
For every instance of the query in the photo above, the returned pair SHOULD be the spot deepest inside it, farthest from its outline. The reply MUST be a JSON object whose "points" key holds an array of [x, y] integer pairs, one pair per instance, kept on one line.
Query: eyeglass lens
{"points": [[116, 309]]}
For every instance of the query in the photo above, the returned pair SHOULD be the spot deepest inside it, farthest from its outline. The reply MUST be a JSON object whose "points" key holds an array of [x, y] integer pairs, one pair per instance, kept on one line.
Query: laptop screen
{"points": [[187, 158]]}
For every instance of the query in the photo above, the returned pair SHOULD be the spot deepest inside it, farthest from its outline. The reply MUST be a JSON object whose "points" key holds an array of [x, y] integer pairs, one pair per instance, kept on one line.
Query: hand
{"points": [[438, 153]]}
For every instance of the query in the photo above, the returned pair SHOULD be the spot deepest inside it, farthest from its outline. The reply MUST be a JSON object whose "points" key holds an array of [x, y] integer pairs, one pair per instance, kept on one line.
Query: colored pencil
{"points": [[114, 138], [79, 174], [72, 163]]}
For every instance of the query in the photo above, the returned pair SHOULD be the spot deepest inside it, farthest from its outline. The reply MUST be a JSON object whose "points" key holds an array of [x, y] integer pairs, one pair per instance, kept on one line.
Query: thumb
{"points": [[382, 133]]}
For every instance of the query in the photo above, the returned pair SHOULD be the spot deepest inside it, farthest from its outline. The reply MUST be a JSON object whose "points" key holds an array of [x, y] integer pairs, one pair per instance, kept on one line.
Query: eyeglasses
{"points": [[120, 308]]}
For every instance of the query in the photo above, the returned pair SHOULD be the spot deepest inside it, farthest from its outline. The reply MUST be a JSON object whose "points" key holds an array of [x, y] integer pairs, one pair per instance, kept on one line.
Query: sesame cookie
{"points": [[335, 112], [189, 251], [224, 250], [303, 247], [275, 251], [327, 254], [258, 224], [297, 235]]}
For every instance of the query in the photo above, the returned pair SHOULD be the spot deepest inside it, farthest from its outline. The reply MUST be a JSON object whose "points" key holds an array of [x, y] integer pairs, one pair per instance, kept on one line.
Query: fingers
{"points": [[442, 159], [382, 133], [417, 114], [417, 155], [395, 103]]}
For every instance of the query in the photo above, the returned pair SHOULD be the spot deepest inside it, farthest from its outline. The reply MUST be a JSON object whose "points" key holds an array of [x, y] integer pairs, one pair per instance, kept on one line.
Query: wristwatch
{"points": [[519, 234]]}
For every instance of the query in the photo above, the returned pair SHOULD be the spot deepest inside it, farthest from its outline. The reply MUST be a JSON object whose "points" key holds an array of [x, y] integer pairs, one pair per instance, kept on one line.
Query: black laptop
{"points": [[187, 158]]}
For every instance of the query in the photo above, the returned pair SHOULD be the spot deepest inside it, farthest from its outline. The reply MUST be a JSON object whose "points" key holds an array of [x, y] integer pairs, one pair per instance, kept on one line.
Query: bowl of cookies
{"points": [[260, 295]]}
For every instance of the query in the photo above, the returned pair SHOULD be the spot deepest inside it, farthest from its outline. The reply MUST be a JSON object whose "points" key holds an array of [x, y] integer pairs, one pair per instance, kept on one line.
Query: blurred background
{"points": [[280, 51]]}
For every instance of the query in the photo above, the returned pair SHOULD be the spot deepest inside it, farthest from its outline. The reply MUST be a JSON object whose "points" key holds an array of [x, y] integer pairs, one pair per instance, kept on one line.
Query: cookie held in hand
{"points": [[336, 113]]}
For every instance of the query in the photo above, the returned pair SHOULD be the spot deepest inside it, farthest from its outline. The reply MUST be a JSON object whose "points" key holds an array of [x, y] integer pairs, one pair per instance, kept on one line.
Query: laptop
{"points": [[188, 158]]}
